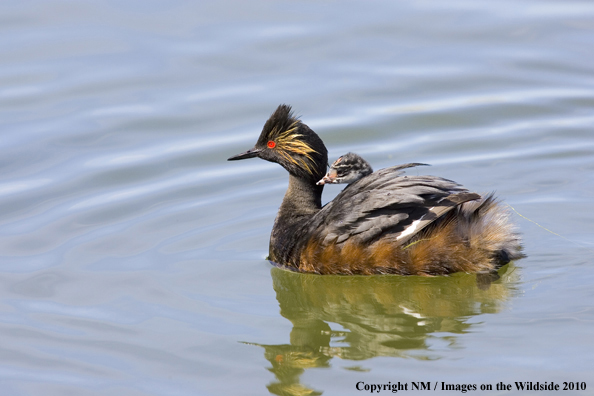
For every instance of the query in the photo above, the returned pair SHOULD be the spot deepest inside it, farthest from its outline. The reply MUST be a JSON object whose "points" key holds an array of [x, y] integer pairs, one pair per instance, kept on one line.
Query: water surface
{"points": [[133, 255]]}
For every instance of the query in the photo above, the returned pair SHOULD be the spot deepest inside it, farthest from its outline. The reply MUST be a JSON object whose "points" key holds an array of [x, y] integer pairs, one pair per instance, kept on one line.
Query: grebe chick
{"points": [[346, 169], [352, 167], [383, 223]]}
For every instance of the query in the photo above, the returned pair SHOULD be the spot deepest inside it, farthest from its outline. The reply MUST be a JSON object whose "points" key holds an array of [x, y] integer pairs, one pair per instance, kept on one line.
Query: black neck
{"points": [[302, 200]]}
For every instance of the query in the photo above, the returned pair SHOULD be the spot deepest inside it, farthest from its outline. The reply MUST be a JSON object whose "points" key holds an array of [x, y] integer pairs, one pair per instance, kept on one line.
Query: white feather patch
{"points": [[411, 229]]}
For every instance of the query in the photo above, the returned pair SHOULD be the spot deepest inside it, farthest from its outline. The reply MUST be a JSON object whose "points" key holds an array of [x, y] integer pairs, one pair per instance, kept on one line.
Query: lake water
{"points": [[133, 254]]}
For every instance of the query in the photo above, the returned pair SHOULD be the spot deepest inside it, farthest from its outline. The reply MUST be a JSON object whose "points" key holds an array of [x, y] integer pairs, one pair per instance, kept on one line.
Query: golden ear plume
{"points": [[291, 141]]}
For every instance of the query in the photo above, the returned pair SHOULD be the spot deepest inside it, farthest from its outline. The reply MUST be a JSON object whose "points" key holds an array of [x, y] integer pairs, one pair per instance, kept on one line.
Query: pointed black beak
{"points": [[251, 153]]}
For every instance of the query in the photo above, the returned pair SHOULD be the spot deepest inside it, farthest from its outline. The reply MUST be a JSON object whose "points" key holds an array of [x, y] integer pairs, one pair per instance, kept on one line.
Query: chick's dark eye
{"points": [[271, 144]]}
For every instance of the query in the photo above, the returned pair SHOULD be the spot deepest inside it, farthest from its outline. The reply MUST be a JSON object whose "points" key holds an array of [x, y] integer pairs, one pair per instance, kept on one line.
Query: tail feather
{"points": [[488, 226]]}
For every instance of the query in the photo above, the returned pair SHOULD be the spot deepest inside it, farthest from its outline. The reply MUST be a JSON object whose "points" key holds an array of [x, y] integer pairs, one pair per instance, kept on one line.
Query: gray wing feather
{"points": [[384, 203]]}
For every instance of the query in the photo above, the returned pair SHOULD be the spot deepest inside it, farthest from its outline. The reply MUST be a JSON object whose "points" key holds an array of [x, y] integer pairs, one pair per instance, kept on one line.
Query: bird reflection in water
{"points": [[381, 316]]}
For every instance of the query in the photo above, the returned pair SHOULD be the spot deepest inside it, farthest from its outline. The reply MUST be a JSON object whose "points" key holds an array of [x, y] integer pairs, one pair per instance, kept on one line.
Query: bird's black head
{"points": [[290, 143]]}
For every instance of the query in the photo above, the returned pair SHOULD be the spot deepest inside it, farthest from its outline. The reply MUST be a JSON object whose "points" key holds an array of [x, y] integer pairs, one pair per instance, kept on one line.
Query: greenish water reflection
{"points": [[381, 316]]}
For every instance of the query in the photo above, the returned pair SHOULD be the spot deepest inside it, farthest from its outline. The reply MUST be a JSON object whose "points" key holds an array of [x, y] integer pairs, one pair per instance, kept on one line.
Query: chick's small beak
{"points": [[330, 178], [251, 153], [324, 180]]}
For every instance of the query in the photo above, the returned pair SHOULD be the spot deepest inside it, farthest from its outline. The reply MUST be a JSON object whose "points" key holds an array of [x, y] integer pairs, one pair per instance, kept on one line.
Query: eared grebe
{"points": [[383, 223]]}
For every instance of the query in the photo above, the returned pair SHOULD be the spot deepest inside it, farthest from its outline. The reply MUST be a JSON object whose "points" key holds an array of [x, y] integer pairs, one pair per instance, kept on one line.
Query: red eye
{"points": [[271, 144]]}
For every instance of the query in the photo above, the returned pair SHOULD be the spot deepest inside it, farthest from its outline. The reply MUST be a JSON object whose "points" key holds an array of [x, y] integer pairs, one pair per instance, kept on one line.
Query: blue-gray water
{"points": [[132, 254]]}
